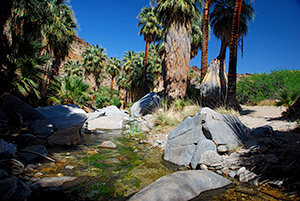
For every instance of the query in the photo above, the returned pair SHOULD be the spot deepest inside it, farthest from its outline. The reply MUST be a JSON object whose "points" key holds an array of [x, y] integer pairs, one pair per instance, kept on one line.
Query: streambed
{"points": [[115, 174]]}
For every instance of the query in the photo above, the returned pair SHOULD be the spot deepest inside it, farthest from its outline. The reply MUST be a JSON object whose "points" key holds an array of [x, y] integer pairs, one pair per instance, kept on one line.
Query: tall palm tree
{"points": [[113, 68], [94, 59], [150, 28], [196, 36], [205, 39], [222, 18], [176, 17], [128, 61], [231, 98]]}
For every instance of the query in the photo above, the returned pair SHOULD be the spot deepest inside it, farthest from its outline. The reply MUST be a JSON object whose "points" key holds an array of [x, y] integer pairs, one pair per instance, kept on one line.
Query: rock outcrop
{"points": [[181, 186], [109, 118], [146, 105], [204, 132]]}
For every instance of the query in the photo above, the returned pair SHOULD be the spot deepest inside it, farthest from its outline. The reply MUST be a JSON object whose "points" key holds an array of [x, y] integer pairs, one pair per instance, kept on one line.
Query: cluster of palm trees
{"points": [[185, 30], [35, 38]]}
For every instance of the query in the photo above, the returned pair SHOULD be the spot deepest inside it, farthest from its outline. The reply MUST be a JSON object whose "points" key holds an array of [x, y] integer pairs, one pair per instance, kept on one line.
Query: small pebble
{"points": [[232, 174], [203, 167], [240, 171]]}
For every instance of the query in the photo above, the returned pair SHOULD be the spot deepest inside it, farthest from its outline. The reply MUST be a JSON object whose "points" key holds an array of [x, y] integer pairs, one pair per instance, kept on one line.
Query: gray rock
{"points": [[108, 145], [222, 149], [12, 105], [13, 189], [201, 148], [232, 174], [68, 137], [182, 141], [249, 177], [28, 157], [182, 185], [241, 171], [224, 129], [146, 105], [7, 148], [114, 119], [210, 158], [94, 115], [64, 116], [42, 128], [203, 167], [47, 182]]}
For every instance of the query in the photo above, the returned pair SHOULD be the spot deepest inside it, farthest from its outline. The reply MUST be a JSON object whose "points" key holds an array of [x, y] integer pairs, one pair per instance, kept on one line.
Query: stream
{"points": [[116, 174]]}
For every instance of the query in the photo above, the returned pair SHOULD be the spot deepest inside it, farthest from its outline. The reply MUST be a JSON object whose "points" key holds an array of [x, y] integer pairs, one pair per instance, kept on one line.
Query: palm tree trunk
{"points": [[231, 98], [145, 66], [177, 59], [222, 53], [204, 51], [111, 87]]}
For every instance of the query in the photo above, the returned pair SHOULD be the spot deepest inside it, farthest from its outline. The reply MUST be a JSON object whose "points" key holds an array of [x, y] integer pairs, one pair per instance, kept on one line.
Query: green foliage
{"points": [[69, 89], [103, 97], [287, 98], [179, 104], [274, 85], [135, 131], [150, 26]]}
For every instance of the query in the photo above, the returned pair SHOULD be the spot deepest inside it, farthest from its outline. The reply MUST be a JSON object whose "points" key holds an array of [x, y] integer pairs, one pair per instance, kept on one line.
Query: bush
{"points": [[258, 87]]}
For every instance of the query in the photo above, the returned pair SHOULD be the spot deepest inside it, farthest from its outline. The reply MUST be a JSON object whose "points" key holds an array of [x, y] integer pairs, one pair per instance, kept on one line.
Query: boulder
{"points": [[222, 128], [67, 137], [64, 117], [42, 128], [112, 120], [183, 185], [12, 166], [197, 135], [146, 105], [182, 141], [31, 117], [7, 150], [12, 105], [13, 189]]}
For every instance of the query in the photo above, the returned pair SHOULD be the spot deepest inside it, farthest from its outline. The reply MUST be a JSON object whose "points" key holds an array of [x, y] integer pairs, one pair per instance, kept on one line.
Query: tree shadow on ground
{"points": [[246, 112], [276, 159]]}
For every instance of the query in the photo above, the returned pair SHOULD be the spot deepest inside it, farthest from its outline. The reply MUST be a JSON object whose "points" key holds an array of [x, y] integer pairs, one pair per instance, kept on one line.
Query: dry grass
{"points": [[223, 110], [169, 119]]}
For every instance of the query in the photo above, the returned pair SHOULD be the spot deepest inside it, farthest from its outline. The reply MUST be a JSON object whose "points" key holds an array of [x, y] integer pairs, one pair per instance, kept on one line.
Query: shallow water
{"points": [[108, 174], [115, 174]]}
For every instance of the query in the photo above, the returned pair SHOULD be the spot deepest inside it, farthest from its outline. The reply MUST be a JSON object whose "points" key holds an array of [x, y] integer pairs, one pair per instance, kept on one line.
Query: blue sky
{"points": [[273, 40]]}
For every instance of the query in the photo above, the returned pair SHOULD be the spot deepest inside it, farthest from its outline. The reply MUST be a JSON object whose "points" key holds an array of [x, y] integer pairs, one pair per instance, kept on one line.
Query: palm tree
{"points": [[94, 59], [222, 18], [128, 61], [113, 68], [196, 36], [176, 17], [231, 98], [73, 68], [205, 39], [150, 28]]}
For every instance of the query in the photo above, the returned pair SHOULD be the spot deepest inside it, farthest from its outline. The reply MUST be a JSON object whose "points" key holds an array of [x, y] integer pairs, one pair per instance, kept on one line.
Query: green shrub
{"points": [[258, 87]]}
